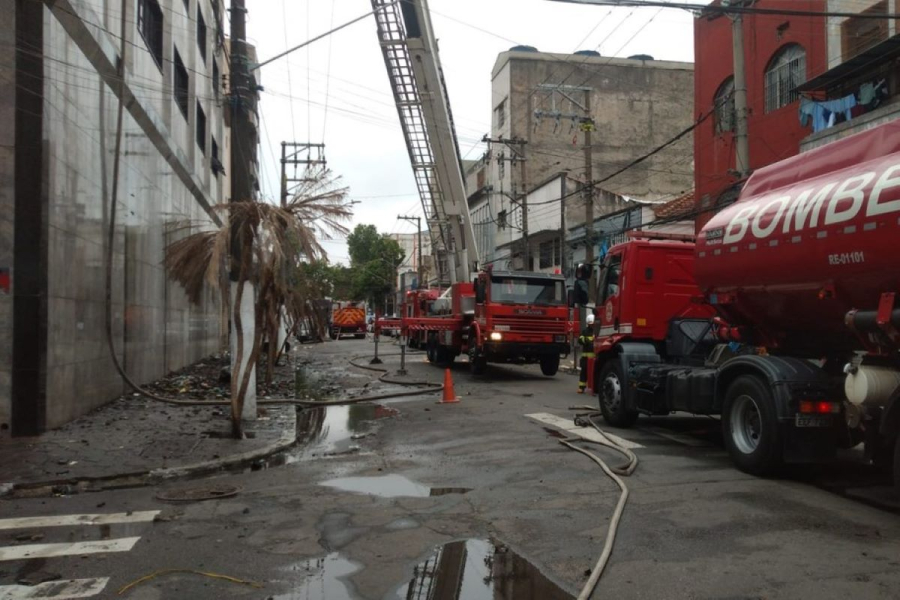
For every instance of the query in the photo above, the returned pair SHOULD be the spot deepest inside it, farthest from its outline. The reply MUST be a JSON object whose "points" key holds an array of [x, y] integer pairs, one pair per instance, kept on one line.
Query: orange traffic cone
{"points": [[449, 395]]}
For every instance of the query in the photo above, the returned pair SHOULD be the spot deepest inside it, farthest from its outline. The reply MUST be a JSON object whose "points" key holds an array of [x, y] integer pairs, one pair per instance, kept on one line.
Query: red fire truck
{"points": [[418, 303], [782, 317]]}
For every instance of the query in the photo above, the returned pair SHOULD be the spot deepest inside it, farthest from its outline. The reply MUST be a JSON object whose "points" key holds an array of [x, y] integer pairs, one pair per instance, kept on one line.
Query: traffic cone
{"points": [[449, 395]]}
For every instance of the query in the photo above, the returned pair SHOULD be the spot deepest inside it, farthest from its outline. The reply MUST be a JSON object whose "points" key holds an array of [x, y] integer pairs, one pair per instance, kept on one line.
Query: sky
{"points": [[336, 91]]}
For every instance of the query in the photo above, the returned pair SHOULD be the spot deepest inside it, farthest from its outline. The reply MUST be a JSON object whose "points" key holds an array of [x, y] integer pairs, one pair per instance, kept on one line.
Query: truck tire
{"points": [[335, 334], [431, 351], [750, 427], [610, 392], [550, 364], [443, 357], [897, 468]]}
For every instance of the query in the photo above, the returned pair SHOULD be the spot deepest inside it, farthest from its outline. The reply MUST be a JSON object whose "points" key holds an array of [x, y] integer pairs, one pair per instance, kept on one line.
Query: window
{"points": [[724, 106], [786, 71], [609, 284], [201, 128], [550, 254], [150, 25], [215, 78], [201, 34], [180, 84], [518, 290], [501, 114], [501, 166], [215, 162]]}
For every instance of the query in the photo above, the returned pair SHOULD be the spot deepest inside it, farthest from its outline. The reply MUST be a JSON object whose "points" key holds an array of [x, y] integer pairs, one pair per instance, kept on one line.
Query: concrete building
{"points": [[57, 156], [407, 271], [633, 105]]}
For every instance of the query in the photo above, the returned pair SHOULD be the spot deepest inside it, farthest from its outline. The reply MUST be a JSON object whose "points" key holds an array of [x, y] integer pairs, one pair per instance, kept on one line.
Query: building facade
{"points": [[57, 156], [542, 105], [810, 80]]}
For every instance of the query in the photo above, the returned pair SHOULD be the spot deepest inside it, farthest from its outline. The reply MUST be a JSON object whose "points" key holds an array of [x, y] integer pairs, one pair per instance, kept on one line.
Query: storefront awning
{"points": [[875, 56]]}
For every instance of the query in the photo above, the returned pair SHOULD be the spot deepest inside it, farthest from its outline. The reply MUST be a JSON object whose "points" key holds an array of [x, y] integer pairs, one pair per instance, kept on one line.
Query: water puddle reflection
{"points": [[322, 579], [390, 486], [337, 429], [478, 570]]}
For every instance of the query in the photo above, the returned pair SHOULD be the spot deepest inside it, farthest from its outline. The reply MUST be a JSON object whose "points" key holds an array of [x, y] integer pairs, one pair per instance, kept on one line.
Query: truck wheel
{"points": [[443, 356], [550, 364], [897, 468], [334, 334], [750, 426], [431, 351], [611, 392], [477, 362]]}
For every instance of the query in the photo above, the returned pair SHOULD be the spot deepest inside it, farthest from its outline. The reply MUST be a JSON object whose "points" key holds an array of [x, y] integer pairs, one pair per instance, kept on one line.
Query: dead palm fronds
{"points": [[270, 242]]}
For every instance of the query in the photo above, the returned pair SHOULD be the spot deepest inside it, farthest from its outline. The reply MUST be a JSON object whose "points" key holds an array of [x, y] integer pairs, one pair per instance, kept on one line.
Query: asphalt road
{"points": [[472, 500]]}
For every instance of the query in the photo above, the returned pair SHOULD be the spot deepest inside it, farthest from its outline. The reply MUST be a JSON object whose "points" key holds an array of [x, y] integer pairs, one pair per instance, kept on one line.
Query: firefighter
{"points": [[587, 351]]}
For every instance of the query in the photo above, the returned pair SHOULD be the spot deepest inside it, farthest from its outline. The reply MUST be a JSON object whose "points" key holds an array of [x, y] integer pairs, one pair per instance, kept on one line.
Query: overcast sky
{"points": [[345, 73]]}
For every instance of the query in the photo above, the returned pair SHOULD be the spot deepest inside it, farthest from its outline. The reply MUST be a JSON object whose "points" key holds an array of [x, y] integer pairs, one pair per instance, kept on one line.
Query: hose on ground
{"points": [[613, 473]]}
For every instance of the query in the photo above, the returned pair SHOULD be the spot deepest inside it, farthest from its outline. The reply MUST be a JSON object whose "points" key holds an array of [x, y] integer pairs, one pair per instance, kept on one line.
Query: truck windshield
{"points": [[516, 290]]}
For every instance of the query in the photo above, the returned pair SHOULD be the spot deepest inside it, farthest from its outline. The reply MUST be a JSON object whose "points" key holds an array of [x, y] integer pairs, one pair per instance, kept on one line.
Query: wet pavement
{"points": [[474, 500]]}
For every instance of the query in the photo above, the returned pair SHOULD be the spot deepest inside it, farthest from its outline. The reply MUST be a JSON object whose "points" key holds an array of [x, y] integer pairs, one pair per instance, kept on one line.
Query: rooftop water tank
{"points": [[640, 57], [587, 53], [523, 49]]}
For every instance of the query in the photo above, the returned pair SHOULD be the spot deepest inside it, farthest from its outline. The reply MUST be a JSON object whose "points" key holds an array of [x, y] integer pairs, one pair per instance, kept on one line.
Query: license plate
{"points": [[812, 420]]}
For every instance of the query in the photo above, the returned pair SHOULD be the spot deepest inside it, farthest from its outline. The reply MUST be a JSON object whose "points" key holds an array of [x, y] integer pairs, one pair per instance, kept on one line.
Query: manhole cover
{"points": [[197, 494]]}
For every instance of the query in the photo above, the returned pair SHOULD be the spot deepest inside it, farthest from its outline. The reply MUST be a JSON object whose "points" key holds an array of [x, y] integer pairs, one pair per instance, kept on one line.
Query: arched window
{"points": [[724, 106], [786, 71]]}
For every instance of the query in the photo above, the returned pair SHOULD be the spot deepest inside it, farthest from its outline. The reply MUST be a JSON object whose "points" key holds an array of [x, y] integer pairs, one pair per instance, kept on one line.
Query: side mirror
{"points": [[570, 297], [479, 292]]}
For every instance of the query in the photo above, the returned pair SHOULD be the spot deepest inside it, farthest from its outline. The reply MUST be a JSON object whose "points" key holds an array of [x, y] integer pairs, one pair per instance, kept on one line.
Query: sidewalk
{"points": [[134, 436]]}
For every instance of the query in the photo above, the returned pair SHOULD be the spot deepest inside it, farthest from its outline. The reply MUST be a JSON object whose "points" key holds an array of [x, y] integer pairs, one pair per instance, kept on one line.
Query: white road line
{"points": [[55, 590], [72, 520], [676, 437], [29, 551], [588, 433]]}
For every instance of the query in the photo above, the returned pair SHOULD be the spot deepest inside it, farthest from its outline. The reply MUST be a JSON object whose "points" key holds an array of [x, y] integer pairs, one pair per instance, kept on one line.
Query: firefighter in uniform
{"points": [[587, 351]]}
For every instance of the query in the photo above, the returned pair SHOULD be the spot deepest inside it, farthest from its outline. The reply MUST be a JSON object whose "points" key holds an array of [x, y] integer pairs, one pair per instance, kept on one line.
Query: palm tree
{"points": [[272, 241]]}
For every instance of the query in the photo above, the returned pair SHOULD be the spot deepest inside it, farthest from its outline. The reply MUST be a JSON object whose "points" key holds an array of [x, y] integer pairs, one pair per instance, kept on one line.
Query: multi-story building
{"points": [[58, 155], [810, 80], [543, 103]]}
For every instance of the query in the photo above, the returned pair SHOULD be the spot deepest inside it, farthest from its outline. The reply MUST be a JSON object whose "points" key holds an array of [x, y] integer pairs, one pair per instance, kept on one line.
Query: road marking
{"points": [[29, 551], [588, 433], [676, 437], [55, 590], [72, 520]]}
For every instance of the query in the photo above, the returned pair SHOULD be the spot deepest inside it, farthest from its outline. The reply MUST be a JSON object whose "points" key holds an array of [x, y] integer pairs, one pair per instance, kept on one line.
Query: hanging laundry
{"points": [[824, 114]]}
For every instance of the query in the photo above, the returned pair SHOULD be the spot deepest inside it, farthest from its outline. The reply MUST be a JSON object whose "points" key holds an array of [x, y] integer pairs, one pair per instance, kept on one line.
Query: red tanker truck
{"points": [[782, 317]]}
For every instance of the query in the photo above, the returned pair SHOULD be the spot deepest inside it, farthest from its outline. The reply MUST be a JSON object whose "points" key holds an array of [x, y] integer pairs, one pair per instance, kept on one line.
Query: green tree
{"points": [[374, 259]]}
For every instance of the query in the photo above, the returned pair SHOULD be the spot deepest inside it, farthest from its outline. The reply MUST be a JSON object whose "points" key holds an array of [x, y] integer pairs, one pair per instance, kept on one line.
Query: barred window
{"points": [[723, 104], [785, 72], [150, 26]]}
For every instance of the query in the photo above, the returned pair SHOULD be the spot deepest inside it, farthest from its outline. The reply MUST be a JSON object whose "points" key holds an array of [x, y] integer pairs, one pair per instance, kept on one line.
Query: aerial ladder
{"points": [[417, 81]]}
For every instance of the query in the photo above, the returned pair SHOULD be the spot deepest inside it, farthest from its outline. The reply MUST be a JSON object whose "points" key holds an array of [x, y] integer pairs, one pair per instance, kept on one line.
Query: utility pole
{"points": [[296, 154], [243, 104], [420, 268], [517, 150], [741, 135], [587, 126]]}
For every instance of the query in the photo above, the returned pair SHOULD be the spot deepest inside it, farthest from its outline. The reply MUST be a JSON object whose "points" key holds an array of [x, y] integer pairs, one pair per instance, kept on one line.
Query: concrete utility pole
{"points": [[517, 149], [741, 135], [243, 105], [587, 126], [420, 267]]}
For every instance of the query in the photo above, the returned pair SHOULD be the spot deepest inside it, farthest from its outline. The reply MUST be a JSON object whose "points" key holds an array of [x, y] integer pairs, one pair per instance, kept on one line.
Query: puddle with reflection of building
{"points": [[322, 579], [478, 569]]}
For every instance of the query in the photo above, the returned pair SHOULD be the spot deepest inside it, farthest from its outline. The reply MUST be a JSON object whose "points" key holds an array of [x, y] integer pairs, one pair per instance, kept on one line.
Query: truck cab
{"points": [[519, 317]]}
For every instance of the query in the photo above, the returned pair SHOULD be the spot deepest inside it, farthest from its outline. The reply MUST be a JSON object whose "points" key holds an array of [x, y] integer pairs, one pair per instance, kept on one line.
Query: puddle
{"points": [[322, 579], [389, 486], [478, 570], [337, 429]]}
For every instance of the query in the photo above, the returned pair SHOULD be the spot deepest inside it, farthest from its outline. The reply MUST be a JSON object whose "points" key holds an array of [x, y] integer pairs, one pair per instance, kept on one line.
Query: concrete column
{"points": [[248, 302]]}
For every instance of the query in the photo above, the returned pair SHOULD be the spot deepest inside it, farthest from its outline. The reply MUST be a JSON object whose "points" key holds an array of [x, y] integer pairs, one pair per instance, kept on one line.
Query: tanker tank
{"points": [[809, 239]]}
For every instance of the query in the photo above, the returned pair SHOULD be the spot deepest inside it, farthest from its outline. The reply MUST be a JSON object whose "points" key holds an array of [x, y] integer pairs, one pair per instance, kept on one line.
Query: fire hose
{"points": [[614, 474]]}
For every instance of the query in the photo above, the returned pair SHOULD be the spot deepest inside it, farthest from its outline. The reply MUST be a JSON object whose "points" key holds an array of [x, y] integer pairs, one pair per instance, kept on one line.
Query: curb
{"points": [[151, 476]]}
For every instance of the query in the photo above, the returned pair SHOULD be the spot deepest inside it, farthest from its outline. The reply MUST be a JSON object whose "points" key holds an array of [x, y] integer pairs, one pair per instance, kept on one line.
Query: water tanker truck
{"points": [[782, 317]]}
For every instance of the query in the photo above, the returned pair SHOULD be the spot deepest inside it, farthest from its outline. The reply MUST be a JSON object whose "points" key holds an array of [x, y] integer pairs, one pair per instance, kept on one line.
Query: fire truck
{"points": [[348, 318], [493, 316], [417, 304], [781, 317]]}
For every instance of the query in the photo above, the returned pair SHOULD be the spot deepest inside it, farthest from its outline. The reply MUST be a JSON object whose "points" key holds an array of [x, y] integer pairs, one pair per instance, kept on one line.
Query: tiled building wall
{"points": [[7, 141], [155, 328]]}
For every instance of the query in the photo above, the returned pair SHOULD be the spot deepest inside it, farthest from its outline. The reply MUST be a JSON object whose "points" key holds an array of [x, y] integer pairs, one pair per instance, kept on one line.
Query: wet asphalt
{"points": [[412, 499]]}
